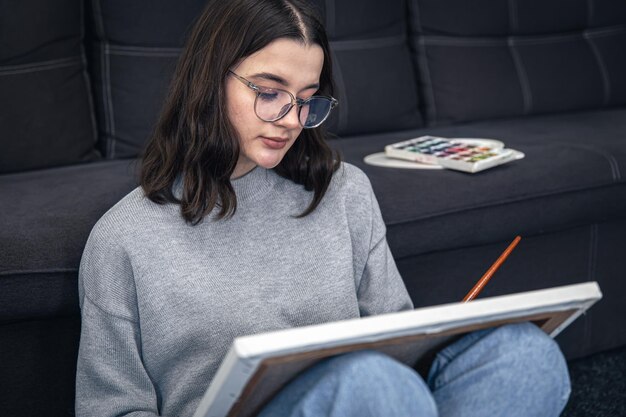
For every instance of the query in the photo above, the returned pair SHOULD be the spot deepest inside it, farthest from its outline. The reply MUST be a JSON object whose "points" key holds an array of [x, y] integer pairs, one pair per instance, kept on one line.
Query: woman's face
{"points": [[285, 64]]}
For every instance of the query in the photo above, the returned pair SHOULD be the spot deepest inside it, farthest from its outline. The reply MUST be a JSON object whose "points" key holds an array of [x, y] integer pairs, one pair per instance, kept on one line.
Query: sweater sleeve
{"points": [[380, 288], [111, 379]]}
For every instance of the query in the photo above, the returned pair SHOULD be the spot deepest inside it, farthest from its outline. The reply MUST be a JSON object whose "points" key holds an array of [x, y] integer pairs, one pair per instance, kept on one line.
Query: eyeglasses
{"points": [[272, 104]]}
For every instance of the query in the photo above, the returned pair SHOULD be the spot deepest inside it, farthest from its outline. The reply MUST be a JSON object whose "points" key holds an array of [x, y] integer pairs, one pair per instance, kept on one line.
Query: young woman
{"points": [[246, 222]]}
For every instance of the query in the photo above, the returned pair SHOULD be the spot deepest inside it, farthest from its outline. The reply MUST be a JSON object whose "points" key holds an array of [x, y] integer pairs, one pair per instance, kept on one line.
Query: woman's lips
{"points": [[274, 143]]}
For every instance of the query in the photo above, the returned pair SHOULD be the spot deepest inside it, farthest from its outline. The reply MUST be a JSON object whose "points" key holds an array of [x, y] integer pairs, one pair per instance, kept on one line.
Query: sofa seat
{"points": [[46, 218], [574, 173]]}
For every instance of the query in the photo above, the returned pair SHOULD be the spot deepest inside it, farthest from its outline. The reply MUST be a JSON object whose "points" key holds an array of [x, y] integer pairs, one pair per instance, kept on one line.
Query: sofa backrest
{"points": [[376, 84], [135, 48], [493, 58], [136, 45], [398, 64], [46, 113]]}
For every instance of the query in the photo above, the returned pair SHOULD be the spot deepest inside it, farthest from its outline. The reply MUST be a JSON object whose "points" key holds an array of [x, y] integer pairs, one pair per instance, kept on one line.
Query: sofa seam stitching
{"points": [[342, 117], [87, 80], [513, 18], [606, 31], [106, 83], [613, 164], [172, 54], [522, 77], [431, 108], [437, 40], [36, 271], [140, 48], [40, 66], [418, 23], [342, 123], [96, 10], [593, 255], [429, 93], [606, 83], [592, 251], [110, 98], [370, 43], [522, 40]]}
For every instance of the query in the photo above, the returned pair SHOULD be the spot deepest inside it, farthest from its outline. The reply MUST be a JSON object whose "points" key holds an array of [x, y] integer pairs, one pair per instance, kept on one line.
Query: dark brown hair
{"points": [[194, 138]]}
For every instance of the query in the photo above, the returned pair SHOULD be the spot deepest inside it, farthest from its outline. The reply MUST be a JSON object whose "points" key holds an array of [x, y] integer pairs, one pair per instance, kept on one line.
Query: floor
{"points": [[598, 385]]}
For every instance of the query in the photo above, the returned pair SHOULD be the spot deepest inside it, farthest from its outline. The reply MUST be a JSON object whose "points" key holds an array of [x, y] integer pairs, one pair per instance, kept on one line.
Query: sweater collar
{"points": [[253, 183], [250, 185]]}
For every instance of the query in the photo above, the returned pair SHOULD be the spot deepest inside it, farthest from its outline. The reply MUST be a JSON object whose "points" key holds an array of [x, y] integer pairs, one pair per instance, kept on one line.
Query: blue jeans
{"points": [[513, 370]]}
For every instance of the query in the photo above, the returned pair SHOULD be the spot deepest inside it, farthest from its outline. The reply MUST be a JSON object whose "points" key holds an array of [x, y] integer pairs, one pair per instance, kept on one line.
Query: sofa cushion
{"points": [[134, 53], [376, 86], [574, 173], [487, 59], [46, 115], [46, 218], [137, 45]]}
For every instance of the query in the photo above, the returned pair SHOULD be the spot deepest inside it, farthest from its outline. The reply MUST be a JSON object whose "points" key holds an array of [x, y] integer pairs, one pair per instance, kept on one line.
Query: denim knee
{"points": [[386, 381], [537, 360], [362, 384], [515, 370]]}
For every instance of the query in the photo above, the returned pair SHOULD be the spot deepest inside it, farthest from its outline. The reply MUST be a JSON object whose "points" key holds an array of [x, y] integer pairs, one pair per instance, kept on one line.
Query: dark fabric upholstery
{"points": [[373, 104], [375, 83], [541, 260], [46, 218], [46, 116], [571, 162], [38, 367], [519, 17], [498, 59], [133, 64], [441, 224], [134, 55]]}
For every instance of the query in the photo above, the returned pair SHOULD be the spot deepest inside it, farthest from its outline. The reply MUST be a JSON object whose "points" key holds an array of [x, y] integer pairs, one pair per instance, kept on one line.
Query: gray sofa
{"points": [[81, 84]]}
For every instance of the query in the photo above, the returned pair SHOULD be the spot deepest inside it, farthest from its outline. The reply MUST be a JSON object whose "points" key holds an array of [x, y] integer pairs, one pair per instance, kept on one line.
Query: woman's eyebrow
{"points": [[280, 80]]}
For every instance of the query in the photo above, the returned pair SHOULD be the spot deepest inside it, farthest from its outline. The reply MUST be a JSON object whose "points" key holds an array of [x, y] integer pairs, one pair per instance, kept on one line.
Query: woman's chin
{"points": [[269, 162]]}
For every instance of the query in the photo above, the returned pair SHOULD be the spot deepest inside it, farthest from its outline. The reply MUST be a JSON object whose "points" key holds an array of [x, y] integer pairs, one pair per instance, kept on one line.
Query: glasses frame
{"points": [[295, 101]]}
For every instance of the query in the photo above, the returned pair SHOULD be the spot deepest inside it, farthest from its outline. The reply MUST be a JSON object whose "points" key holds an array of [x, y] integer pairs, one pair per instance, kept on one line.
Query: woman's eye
{"points": [[268, 95]]}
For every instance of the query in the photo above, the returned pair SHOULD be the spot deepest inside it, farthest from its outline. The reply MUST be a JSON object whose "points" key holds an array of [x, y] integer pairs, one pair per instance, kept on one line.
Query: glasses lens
{"points": [[272, 104], [315, 111]]}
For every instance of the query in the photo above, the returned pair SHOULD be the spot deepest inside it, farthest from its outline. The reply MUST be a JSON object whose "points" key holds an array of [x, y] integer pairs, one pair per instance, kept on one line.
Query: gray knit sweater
{"points": [[161, 301]]}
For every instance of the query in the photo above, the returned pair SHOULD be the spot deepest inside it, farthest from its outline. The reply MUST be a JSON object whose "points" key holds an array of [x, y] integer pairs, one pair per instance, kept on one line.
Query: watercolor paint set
{"points": [[462, 154]]}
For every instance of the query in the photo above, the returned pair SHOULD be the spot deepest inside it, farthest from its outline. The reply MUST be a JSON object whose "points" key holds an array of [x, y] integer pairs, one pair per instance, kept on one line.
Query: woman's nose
{"points": [[291, 119]]}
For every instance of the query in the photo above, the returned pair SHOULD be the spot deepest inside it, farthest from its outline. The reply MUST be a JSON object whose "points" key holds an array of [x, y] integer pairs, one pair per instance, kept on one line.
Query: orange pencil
{"points": [[485, 278]]}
